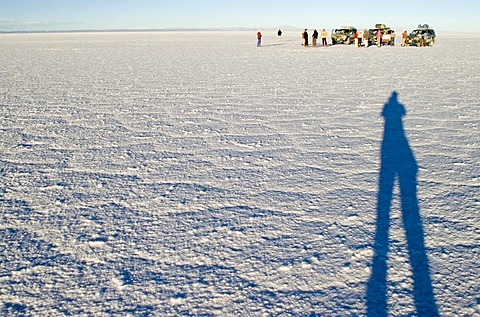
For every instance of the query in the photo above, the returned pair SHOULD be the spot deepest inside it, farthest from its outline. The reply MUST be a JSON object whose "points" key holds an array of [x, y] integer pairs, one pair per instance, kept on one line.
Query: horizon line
{"points": [[289, 27], [174, 29]]}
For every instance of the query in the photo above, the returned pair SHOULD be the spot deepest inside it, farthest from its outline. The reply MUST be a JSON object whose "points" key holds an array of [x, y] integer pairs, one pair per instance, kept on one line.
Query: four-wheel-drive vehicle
{"points": [[422, 33], [344, 34], [388, 35]]}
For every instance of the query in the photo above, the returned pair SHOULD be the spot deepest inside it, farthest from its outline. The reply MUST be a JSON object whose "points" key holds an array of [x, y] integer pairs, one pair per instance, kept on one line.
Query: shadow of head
{"points": [[393, 109], [397, 156]]}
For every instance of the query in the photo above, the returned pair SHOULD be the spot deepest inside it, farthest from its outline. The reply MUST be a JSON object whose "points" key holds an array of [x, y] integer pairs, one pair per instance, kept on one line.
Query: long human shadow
{"points": [[398, 161]]}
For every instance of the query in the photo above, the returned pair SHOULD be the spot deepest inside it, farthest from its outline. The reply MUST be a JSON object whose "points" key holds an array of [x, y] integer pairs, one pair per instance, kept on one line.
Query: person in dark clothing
{"points": [[305, 38], [314, 38]]}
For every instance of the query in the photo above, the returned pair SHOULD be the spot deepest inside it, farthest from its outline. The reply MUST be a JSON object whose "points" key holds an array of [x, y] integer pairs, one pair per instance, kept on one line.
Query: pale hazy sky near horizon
{"points": [[55, 15]]}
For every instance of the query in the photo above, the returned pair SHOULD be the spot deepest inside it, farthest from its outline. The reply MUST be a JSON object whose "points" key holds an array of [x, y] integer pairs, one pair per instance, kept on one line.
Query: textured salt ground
{"points": [[196, 174]]}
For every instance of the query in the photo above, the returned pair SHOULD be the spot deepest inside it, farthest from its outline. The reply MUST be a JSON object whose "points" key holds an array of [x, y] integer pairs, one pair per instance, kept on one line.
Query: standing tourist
{"points": [[357, 39], [404, 38], [324, 35], [419, 40], [424, 39], [379, 38], [305, 38], [279, 34], [314, 38], [365, 38], [259, 38]]}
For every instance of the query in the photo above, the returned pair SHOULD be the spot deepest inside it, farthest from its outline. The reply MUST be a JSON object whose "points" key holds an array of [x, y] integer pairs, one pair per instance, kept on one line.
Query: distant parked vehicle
{"points": [[343, 35], [388, 35], [423, 31]]}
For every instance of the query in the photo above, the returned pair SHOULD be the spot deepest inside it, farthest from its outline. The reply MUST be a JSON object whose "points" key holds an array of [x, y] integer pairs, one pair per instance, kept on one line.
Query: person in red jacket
{"points": [[259, 38]]}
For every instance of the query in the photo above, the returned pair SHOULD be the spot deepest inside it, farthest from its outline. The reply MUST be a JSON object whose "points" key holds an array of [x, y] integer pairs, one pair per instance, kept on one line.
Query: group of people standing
{"points": [[323, 34], [359, 37], [363, 37]]}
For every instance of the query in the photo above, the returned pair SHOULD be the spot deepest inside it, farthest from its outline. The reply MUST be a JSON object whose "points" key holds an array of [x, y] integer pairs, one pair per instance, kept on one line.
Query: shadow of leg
{"points": [[377, 285], [423, 291]]}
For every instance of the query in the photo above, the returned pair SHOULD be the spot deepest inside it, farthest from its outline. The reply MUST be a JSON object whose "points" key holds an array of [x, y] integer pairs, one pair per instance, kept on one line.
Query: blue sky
{"points": [[36, 15]]}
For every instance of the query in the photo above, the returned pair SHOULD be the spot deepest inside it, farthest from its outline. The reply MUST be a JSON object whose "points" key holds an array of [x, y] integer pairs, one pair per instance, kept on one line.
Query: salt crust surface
{"points": [[192, 173]]}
